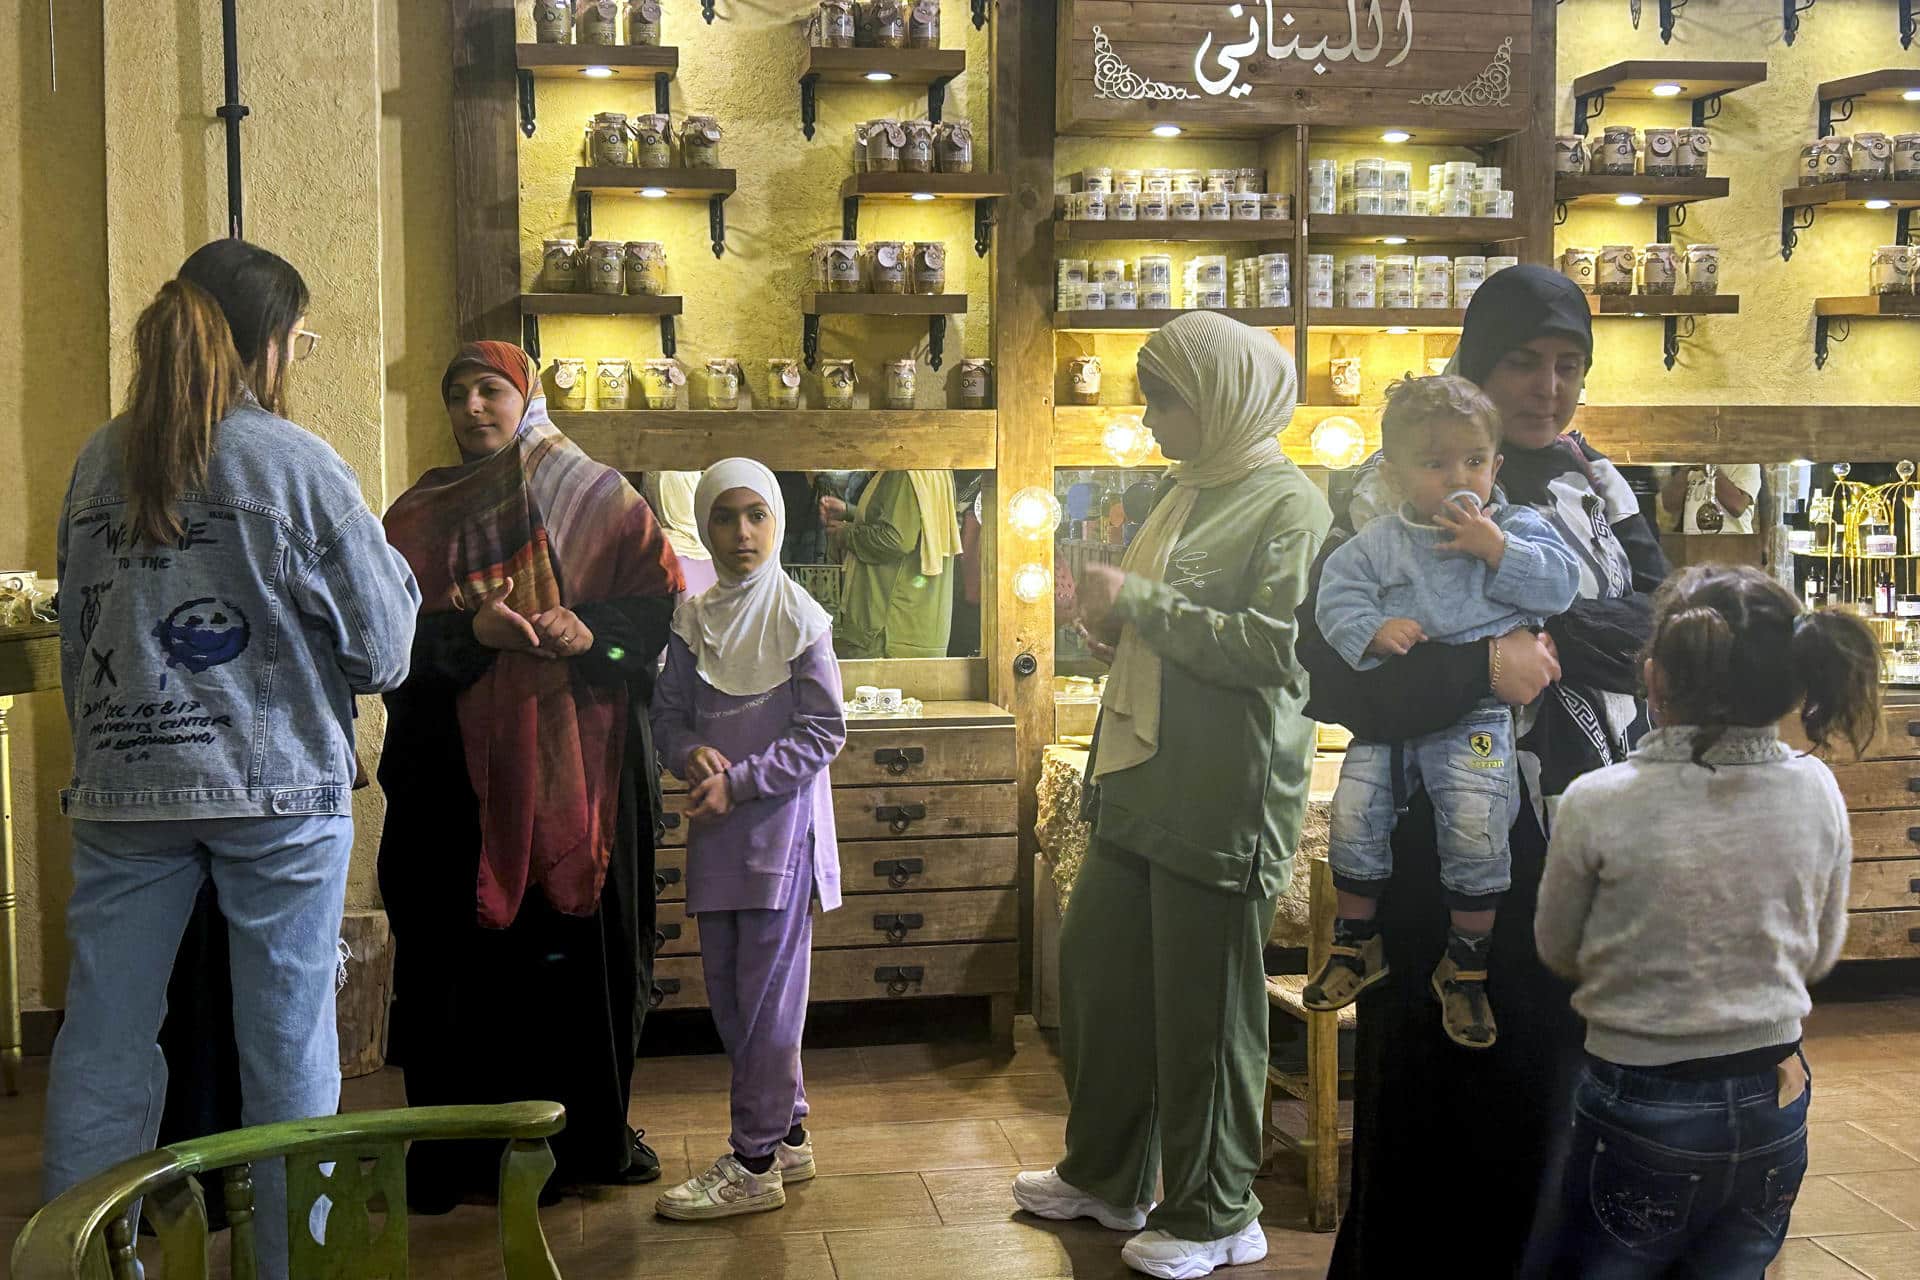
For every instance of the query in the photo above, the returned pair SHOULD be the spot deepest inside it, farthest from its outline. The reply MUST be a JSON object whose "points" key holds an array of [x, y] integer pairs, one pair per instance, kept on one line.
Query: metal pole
{"points": [[233, 111], [9, 937]]}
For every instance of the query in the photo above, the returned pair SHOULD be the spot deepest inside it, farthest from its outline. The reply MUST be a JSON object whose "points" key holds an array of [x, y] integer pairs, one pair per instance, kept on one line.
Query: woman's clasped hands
{"points": [[549, 634]]}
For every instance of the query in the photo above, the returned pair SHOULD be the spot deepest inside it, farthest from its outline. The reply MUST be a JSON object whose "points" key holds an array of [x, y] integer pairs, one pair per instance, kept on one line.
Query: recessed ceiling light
{"points": [[1166, 131], [1640, 315], [879, 77], [596, 73], [1399, 328], [654, 193], [1668, 90], [1628, 199], [1801, 462], [923, 195], [1879, 204], [1912, 95], [1395, 135], [1393, 239]]}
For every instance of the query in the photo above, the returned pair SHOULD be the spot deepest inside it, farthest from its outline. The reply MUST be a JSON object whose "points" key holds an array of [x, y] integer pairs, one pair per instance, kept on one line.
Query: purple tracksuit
{"points": [[752, 875]]}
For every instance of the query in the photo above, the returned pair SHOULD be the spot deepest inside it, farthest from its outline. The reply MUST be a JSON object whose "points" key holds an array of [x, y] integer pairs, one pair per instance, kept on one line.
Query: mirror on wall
{"points": [[869, 546]]}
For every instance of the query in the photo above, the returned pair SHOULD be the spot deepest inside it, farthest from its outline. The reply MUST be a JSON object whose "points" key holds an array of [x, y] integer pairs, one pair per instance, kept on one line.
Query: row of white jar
{"points": [[1103, 180], [1178, 206], [658, 384]]}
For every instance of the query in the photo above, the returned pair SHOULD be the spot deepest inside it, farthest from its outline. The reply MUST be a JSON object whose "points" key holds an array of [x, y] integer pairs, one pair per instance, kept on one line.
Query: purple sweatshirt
{"points": [[780, 743]]}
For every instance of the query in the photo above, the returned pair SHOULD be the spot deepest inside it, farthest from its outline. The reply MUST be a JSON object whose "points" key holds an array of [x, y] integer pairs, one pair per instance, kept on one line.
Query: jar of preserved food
{"points": [[1614, 151], [1124, 206], [610, 385], [1083, 380], [1659, 269], [1906, 156], [643, 23], [916, 152], [653, 142], [597, 22], [1153, 206], [923, 25], [1154, 270], [930, 267], [1613, 269], [645, 263], [842, 261], [1216, 206], [1691, 154], [553, 21], [1133, 180], [886, 21], [888, 266], [1160, 180], [606, 267], [1836, 160], [559, 267], [1890, 270], [900, 376], [1275, 206], [783, 384], [660, 383], [569, 378], [1872, 157], [953, 147], [885, 139], [833, 27], [976, 380], [1579, 264], [1663, 152], [610, 139], [1185, 206], [837, 382], [1246, 206], [700, 142], [723, 384]]}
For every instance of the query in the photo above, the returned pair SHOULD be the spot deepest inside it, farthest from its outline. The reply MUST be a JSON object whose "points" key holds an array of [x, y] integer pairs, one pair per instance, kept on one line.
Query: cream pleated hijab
{"points": [[1240, 384], [745, 632]]}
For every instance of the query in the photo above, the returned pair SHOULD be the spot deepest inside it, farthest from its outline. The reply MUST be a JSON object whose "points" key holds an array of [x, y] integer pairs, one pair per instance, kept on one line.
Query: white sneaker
{"points": [[724, 1191], [794, 1163], [1158, 1254], [1048, 1195]]}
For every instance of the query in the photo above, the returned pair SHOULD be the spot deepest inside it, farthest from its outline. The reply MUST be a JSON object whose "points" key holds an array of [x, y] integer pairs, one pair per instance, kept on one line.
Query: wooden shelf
{"points": [[786, 440], [1375, 319], [1367, 228], [599, 304], [1263, 232], [941, 186], [1696, 79], [1143, 321], [679, 184], [1663, 304], [570, 61], [1601, 189], [1853, 194], [1888, 305], [885, 304], [1891, 85], [906, 66], [1077, 430]]}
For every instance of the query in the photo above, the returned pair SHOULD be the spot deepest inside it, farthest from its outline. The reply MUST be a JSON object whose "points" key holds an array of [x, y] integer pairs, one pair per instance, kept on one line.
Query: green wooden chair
{"points": [[358, 1162]]}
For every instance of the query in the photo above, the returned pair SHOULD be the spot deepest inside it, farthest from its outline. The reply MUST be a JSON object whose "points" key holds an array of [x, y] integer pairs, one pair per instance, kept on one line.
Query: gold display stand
{"points": [[29, 662]]}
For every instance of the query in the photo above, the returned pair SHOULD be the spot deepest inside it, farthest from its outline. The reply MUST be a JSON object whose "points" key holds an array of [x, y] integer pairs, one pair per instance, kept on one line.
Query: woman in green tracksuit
{"points": [[1200, 769]]}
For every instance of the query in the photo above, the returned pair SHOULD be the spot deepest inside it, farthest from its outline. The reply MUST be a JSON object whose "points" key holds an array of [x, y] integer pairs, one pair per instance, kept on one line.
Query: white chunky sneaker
{"points": [[794, 1163], [1048, 1195], [724, 1191], [1158, 1254]]}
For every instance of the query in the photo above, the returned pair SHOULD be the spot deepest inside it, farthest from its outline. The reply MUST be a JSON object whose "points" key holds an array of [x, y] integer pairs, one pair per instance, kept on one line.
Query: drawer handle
{"points": [[1913, 885], [670, 821], [662, 988], [897, 760], [898, 925], [1913, 935], [671, 875], [899, 817], [664, 934], [1913, 728], [1913, 784], [899, 979], [899, 871], [1913, 835]]}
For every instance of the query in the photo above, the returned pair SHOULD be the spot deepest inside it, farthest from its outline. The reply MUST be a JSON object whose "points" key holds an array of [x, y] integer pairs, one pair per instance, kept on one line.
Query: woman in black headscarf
{"points": [[1450, 1145]]}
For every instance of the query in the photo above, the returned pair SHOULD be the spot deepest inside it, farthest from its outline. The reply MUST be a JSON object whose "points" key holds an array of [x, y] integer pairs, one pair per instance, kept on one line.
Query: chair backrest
{"points": [[356, 1162]]}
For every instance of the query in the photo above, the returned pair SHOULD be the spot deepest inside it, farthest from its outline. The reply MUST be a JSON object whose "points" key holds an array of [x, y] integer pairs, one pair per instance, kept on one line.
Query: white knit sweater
{"points": [[1693, 905]]}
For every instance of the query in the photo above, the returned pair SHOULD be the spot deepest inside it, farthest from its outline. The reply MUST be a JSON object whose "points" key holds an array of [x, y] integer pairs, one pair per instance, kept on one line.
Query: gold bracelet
{"points": [[1493, 664]]}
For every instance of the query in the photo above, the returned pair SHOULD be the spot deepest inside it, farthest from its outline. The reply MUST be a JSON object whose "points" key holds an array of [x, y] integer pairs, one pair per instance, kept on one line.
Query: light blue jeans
{"points": [[282, 885]]}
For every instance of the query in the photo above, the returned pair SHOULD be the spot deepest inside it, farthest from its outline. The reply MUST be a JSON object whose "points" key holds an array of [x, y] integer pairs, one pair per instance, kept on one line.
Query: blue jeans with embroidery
{"points": [[1469, 771], [1669, 1177]]}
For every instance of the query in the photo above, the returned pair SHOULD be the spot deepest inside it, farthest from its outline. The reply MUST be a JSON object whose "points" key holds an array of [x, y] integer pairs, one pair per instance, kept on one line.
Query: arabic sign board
{"points": [[1251, 66]]}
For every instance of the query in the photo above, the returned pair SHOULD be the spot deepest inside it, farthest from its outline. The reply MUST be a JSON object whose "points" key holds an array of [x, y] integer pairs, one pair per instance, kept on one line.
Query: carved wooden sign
{"points": [[1221, 66]]}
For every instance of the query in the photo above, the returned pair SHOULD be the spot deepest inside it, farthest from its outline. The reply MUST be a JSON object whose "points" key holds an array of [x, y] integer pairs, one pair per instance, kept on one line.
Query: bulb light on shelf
{"points": [[1628, 199], [1032, 583], [596, 73], [1398, 329], [1801, 462], [1166, 131], [654, 193], [1668, 90], [1911, 95], [879, 77], [1033, 512], [1338, 442], [1393, 239], [923, 195], [1127, 441], [1395, 135], [1877, 204]]}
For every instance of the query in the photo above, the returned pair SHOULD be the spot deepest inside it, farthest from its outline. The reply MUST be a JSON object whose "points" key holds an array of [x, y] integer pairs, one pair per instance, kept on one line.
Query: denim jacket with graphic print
{"points": [[214, 677]]}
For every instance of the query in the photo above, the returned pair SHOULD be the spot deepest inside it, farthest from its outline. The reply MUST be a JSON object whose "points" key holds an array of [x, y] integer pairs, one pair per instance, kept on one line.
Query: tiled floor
{"points": [[918, 1144]]}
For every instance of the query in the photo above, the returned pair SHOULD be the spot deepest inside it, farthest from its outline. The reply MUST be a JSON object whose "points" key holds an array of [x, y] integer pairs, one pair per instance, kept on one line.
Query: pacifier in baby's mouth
{"points": [[1466, 498]]}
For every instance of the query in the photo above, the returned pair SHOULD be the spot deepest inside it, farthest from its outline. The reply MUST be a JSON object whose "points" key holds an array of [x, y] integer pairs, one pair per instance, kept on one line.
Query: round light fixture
{"points": [[1032, 583], [1877, 204], [923, 195], [1911, 95], [879, 77], [596, 73], [654, 193], [1033, 512], [1166, 131], [1399, 329], [1338, 441], [1395, 135], [1628, 199], [1393, 239], [1127, 441], [1668, 90]]}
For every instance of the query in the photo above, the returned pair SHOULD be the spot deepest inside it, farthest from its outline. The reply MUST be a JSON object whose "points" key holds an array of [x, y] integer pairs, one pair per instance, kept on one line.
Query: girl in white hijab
{"points": [[748, 712]]}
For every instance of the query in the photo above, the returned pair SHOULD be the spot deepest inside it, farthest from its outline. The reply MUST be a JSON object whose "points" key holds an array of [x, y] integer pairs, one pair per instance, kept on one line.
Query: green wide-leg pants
{"points": [[1163, 1029]]}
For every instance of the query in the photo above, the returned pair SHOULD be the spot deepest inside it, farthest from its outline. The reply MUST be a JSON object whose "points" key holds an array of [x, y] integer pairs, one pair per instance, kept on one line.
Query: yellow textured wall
{"points": [[1764, 355], [745, 70]]}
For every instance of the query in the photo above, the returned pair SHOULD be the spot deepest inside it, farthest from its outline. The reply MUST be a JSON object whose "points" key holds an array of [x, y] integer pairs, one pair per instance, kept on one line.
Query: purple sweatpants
{"points": [[757, 966]]}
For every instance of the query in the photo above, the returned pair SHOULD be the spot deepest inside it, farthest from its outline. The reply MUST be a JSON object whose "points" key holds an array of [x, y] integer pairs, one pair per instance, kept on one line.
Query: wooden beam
{"points": [[1751, 432], [1077, 431], [1526, 159], [486, 172], [785, 439]]}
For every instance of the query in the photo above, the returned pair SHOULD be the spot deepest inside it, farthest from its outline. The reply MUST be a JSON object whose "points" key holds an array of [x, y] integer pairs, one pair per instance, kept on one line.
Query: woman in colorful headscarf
{"points": [[1200, 769], [517, 860], [1451, 1142], [899, 539]]}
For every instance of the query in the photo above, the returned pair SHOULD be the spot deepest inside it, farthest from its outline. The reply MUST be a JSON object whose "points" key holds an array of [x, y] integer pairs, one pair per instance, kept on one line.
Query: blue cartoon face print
{"points": [[203, 634]]}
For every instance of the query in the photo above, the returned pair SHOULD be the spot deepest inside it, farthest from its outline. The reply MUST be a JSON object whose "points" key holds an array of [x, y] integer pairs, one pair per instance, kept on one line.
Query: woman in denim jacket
{"points": [[227, 594]]}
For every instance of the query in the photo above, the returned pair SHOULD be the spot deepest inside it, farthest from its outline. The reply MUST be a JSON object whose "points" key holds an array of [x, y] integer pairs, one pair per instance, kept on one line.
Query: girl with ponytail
{"points": [[1693, 892]]}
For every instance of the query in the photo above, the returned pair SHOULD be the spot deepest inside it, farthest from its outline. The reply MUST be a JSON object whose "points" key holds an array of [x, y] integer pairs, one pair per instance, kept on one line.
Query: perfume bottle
{"points": [[1883, 595]]}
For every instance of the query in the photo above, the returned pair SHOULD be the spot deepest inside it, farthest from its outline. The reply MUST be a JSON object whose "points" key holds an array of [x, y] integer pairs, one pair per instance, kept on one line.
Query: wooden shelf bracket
{"points": [[1828, 329], [1588, 107], [525, 78], [1669, 11], [1670, 342], [1790, 11], [1835, 111], [1792, 223]]}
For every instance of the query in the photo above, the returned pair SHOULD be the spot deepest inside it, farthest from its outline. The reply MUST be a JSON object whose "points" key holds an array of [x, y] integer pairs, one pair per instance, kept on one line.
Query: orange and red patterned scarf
{"points": [[544, 747]]}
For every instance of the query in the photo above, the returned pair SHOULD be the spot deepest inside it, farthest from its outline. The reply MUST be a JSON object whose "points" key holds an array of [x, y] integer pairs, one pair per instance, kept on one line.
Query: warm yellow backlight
{"points": [[1033, 512], [1032, 583]]}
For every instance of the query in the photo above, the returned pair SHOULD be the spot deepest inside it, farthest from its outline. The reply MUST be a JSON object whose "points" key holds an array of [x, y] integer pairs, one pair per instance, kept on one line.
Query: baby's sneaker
{"points": [[795, 1160], [724, 1191], [1048, 1195], [1156, 1253]]}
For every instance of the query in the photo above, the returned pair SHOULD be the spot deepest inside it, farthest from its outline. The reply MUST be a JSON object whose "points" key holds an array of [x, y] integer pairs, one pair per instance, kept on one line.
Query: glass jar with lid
{"points": [[660, 383], [1872, 157], [1659, 269], [568, 376], [841, 259], [606, 267], [611, 384], [553, 21], [953, 147], [597, 22], [723, 384], [916, 152], [1703, 268], [888, 266], [886, 22], [833, 25], [929, 267], [1890, 270], [837, 381], [1613, 269], [885, 140], [559, 266], [898, 383], [645, 262], [609, 139], [783, 384], [976, 383], [653, 141], [1083, 380], [700, 142], [643, 23], [923, 25]]}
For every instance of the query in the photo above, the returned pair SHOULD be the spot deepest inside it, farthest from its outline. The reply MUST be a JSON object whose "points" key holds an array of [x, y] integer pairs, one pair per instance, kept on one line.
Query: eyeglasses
{"points": [[305, 343]]}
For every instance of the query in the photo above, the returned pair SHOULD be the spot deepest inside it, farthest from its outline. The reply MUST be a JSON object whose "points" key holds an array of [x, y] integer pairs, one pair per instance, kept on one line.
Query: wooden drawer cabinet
{"points": [[1882, 935], [867, 973], [1890, 833], [891, 866], [943, 809], [1879, 784], [1899, 733], [1885, 886], [880, 757], [906, 919]]}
